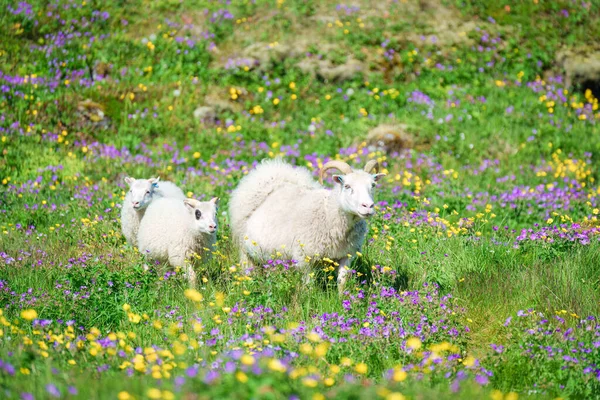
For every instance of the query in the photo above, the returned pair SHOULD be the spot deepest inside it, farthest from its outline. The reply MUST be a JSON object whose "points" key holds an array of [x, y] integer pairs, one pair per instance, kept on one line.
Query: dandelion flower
{"points": [[321, 349], [247, 359], [313, 337], [395, 396], [413, 343], [242, 377], [193, 295], [276, 365], [154, 393], [166, 395], [29, 314], [361, 368], [469, 361], [310, 382]]}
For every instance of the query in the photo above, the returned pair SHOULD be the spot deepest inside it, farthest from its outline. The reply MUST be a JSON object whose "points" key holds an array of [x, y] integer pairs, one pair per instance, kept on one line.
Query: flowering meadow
{"points": [[480, 274]]}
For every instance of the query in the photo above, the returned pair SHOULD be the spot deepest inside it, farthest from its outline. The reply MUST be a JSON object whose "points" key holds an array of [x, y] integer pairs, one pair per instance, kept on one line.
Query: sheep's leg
{"points": [[190, 274], [306, 279], [343, 271], [245, 262], [304, 267], [178, 260], [147, 262]]}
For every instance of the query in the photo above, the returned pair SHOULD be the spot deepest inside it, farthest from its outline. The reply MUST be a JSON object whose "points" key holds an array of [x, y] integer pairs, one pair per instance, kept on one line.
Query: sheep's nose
{"points": [[212, 227], [368, 205], [135, 203]]}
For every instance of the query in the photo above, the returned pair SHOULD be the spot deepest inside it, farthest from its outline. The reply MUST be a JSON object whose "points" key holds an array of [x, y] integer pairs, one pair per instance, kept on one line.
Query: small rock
{"points": [[340, 73], [101, 71], [390, 138], [92, 113], [326, 70], [205, 114], [581, 67], [261, 56]]}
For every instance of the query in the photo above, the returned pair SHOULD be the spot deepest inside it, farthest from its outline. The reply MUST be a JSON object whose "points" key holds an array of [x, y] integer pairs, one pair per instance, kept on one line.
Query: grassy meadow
{"points": [[480, 274]]}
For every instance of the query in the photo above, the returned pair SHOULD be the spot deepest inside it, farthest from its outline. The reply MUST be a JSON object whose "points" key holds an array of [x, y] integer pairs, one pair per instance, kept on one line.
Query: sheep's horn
{"points": [[371, 165], [342, 166]]}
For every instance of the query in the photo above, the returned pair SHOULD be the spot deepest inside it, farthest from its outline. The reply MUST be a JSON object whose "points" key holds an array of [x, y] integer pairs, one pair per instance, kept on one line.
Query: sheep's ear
{"points": [[129, 180], [189, 204], [154, 181], [215, 201], [338, 178], [377, 177]]}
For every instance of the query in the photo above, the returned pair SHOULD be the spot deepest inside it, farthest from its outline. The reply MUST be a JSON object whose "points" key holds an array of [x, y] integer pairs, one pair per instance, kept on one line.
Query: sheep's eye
{"points": [[346, 186], [148, 192], [373, 184], [198, 214]]}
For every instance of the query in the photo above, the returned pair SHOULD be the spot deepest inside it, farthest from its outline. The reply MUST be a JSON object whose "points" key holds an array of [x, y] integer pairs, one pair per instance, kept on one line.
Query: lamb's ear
{"points": [[338, 178], [215, 201], [377, 177], [129, 180], [154, 181], [189, 203]]}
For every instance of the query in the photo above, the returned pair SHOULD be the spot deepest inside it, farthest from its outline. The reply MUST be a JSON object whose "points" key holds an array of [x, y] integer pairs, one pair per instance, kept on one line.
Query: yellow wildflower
{"points": [[496, 395], [154, 393], [395, 396], [361, 368], [511, 396], [123, 396], [414, 343], [29, 314], [247, 359], [242, 377], [469, 361], [276, 365], [166, 395], [310, 382], [399, 375], [193, 295]]}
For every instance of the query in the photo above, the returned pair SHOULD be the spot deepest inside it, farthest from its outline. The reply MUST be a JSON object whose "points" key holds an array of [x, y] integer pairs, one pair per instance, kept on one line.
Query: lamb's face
{"points": [[204, 214], [141, 191], [356, 192]]}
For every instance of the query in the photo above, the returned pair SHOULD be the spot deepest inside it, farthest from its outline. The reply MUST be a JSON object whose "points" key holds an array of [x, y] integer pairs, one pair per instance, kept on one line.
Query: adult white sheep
{"points": [[140, 194], [278, 208], [259, 184], [173, 229]]}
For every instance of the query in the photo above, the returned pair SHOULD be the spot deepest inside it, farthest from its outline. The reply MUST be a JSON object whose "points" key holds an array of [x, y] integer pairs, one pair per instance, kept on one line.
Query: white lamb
{"points": [[141, 193], [279, 208], [172, 230]]}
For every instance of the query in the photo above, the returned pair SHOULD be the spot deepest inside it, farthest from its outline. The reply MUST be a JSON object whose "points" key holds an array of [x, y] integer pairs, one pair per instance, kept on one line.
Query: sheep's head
{"points": [[204, 214], [355, 186], [141, 191]]}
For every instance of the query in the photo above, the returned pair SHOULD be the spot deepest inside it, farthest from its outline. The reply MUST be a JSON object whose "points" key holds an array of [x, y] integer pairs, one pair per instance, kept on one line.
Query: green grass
{"points": [[492, 211]]}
